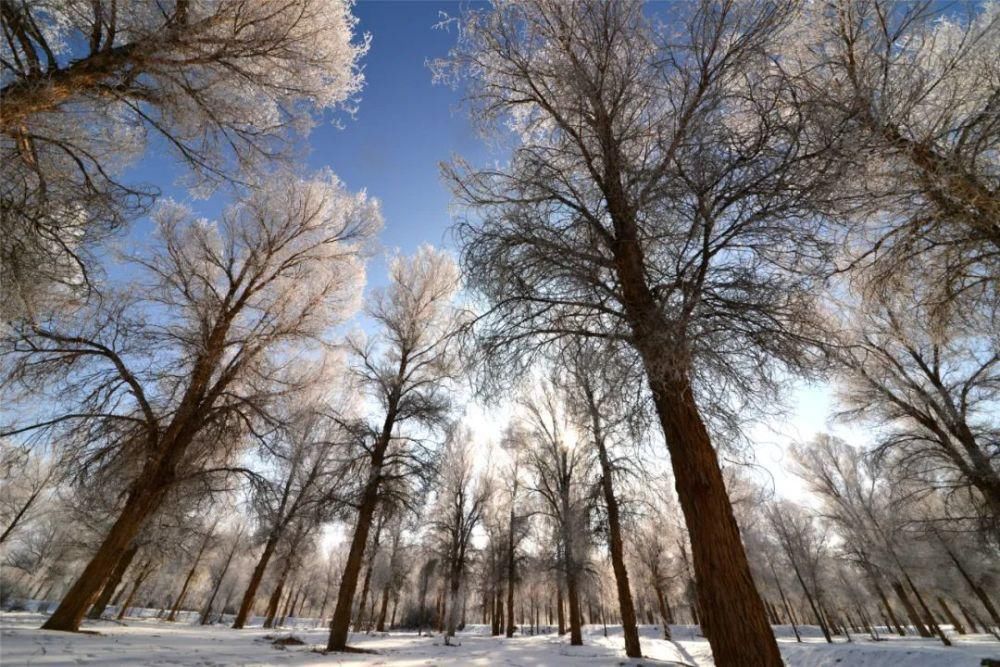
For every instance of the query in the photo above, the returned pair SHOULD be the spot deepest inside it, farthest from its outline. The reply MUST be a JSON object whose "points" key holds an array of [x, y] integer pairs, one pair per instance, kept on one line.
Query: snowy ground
{"points": [[157, 643]]}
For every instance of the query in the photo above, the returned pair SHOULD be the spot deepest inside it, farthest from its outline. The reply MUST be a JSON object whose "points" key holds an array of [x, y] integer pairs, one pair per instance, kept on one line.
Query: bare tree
{"points": [[85, 84], [932, 390], [405, 372], [174, 395], [603, 395], [656, 196], [462, 495], [559, 468]]}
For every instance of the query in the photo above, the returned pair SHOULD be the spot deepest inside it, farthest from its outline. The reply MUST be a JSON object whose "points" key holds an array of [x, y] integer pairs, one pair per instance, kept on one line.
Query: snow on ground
{"points": [[158, 643]]}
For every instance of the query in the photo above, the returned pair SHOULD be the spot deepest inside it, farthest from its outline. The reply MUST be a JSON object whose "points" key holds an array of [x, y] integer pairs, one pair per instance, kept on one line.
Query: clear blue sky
{"points": [[404, 127]]}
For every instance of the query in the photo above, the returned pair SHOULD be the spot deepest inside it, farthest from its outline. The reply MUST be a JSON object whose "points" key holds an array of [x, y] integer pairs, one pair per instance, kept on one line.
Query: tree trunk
{"points": [[275, 600], [784, 601], [144, 572], [661, 599], [218, 583], [510, 574], [732, 614], [142, 501], [380, 625], [190, 576], [341, 623], [911, 611], [258, 575], [950, 615], [560, 615], [575, 622], [625, 605], [97, 610], [933, 624], [888, 608]]}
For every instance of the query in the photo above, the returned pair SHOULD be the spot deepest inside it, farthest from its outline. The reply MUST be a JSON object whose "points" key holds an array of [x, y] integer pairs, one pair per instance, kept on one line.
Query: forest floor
{"points": [[158, 643]]}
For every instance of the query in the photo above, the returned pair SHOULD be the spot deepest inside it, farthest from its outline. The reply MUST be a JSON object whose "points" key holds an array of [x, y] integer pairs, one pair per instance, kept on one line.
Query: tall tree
{"points": [[656, 196], [604, 400], [405, 372], [169, 373], [559, 469], [462, 495]]}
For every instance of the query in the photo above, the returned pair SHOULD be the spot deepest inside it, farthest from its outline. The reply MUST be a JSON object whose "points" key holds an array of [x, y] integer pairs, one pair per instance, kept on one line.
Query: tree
{"points": [[85, 85], [656, 197], [305, 477], [462, 496], [405, 373], [905, 95], [559, 468], [170, 375], [934, 391], [600, 393]]}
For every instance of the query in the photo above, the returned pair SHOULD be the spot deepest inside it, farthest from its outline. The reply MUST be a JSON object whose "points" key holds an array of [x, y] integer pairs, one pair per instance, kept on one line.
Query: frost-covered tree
{"points": [[931, 390], [904, 94], [404, 371], [87, 85], [656, 196], [303, 476], [167, 375]]}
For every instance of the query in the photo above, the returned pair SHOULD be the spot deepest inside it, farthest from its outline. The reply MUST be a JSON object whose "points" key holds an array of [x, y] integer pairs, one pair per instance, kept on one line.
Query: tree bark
{"points": [[732, 613], [341, 622], [573, 599], [510, 573], [97, 610], [661, 599]]}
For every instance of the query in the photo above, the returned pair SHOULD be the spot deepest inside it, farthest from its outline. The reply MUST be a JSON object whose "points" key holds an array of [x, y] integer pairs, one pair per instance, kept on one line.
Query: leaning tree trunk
{"points": [[625, 605], [258, 575], [911, 611], [141, 503], [146, 570], [20, 515], [383, 609], [732, 613], [218, 582], [97, 610], [341, 623], [187, 581]]}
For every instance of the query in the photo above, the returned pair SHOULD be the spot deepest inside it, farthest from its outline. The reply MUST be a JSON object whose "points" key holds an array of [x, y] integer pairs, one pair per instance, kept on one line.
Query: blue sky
{"points": [[404, 127]]}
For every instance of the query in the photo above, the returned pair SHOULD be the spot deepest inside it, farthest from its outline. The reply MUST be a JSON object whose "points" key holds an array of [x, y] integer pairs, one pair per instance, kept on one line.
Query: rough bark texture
{"points": [[341, 623], [732, 614], [911, 611]]}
